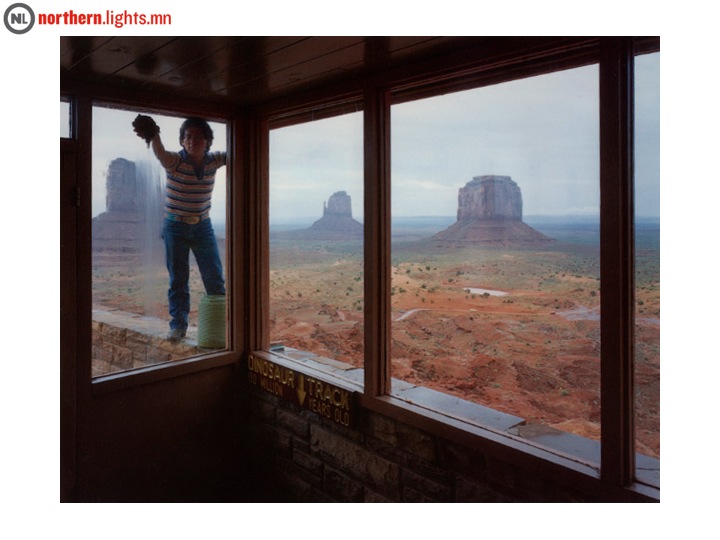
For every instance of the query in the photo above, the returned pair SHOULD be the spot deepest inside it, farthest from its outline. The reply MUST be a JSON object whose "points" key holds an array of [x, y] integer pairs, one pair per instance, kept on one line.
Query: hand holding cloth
{"points": [[145, 127]]}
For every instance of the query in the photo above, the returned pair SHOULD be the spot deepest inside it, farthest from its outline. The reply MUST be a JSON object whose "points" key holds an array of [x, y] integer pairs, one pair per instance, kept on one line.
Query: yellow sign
{"points": [[320, 397]]}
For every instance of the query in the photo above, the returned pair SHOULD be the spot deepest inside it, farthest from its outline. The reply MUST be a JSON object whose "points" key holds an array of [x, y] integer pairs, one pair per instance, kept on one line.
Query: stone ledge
{"points": [[123, 341], [141, 324]]}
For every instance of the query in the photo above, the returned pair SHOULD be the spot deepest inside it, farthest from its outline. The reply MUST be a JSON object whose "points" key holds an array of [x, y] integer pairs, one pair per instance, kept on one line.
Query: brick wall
{"points": [[306, 458]]}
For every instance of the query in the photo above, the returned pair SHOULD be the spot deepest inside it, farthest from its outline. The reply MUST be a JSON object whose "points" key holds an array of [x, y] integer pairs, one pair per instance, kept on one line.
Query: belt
{"points": [[190, 220]]}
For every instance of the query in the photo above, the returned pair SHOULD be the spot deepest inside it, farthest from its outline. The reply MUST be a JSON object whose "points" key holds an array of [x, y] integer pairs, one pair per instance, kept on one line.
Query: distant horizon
{"points": [[531, 217]]}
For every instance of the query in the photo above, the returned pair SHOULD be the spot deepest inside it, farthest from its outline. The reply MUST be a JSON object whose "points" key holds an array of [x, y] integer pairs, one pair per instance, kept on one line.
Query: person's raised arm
{"points": [[149, 131], [165, 157]]}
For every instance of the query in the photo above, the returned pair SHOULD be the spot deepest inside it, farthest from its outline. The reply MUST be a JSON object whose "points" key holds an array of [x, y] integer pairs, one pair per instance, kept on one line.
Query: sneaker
{"points": [[176, 334]]}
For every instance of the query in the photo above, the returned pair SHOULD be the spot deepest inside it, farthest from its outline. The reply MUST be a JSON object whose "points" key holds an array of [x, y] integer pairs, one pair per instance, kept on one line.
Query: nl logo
{"points": [[19, 18]]}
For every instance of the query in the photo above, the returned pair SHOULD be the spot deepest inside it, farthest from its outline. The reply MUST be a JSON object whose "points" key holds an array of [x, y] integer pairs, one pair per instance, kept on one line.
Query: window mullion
{"points": [[377, 242], [255, 197], [617, 259]]}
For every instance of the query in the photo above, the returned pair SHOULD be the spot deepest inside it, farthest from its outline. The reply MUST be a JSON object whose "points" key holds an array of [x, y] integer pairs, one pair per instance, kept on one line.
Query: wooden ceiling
{"points": [[241, 71]]}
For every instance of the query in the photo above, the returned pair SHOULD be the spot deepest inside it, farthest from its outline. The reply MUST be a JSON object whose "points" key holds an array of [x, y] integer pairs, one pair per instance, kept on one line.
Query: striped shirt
{"points": [[187, 192]]}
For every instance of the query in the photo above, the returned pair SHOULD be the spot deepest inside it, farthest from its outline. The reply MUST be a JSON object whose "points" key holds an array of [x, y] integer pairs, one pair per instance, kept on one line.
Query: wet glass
{"points": [[130, 279], [316, 240], [495, 251]]}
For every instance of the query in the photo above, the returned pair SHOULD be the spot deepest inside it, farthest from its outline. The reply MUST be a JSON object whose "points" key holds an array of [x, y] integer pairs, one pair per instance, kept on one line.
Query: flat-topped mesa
{"points": [[490, 197], [490, 212]]}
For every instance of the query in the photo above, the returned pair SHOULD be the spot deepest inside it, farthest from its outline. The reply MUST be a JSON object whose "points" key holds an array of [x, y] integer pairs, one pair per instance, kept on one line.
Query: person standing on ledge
{"points": [[188, 192]]}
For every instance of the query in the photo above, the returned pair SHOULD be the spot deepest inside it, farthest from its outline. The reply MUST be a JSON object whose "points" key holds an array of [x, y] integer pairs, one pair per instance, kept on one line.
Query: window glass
{"points": [[647, 254], [495, 250], [65, 123], [132, 291], [316, 239]]}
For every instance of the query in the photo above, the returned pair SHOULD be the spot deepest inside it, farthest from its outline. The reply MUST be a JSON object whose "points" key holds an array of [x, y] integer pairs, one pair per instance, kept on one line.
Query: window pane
{"points": [[65, 131], [131, 281], [495, 250], [316, 239], [647, 254]]}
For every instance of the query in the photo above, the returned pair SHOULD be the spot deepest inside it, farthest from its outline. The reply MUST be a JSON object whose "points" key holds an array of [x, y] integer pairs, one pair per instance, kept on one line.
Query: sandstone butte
{"points": [[490, 211]]}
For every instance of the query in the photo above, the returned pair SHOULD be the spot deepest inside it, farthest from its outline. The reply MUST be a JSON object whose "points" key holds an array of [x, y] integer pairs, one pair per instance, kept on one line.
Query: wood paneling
{"points": [[234, 70]]}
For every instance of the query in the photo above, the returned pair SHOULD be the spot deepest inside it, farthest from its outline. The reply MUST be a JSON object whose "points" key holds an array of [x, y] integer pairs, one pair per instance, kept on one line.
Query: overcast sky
{"points": [[541, 131]]}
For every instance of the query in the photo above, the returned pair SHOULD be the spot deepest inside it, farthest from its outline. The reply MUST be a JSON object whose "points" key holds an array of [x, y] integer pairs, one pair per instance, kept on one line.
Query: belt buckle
{"points": [[192, 220]]}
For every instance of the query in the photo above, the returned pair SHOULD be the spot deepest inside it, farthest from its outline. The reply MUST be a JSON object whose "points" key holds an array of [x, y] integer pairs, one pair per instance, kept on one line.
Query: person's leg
{"points": [[177, 251], [208, 258]]}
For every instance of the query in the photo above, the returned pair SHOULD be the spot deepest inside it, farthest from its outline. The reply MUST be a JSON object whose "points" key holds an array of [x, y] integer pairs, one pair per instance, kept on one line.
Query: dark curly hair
{"points": [[195, 122]]}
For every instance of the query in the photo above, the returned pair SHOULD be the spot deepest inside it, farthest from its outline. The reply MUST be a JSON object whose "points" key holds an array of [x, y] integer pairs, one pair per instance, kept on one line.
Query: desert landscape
{"points": [[517, 329], [484, 307], [505, 315]]}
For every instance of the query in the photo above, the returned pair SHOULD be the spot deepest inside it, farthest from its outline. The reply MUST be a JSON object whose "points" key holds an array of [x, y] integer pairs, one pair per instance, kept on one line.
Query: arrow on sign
{"points": [[301, 390]]}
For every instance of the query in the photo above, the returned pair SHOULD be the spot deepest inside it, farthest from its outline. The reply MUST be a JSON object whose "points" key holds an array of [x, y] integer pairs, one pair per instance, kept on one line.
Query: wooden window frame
{"points": [[81, 106]]}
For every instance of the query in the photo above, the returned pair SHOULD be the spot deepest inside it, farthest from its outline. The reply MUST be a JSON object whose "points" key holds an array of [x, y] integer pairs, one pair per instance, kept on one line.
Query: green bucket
{"points": [[212, 322]]}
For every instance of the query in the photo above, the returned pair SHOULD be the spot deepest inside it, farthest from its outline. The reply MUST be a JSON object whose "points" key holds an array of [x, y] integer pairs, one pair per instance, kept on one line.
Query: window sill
{"points": [[161, 372]]}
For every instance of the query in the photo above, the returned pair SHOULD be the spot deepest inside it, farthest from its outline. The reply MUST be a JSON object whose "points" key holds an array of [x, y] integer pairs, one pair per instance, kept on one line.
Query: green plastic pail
{"points": [[211, 322]]}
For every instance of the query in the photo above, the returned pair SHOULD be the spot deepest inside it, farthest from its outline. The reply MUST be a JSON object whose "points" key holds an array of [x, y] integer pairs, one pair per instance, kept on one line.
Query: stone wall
{"points": [[123, 341], [307, 458]]}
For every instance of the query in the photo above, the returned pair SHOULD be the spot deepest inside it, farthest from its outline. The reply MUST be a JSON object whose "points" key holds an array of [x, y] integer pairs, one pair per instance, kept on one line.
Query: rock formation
{"points": [[339, 204], [133, 216], [121, 186], [490, 212], [336, 223]]}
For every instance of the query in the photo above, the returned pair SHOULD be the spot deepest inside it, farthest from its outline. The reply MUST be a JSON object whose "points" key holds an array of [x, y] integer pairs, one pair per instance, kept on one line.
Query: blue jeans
{"points": [[180, 239]]}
